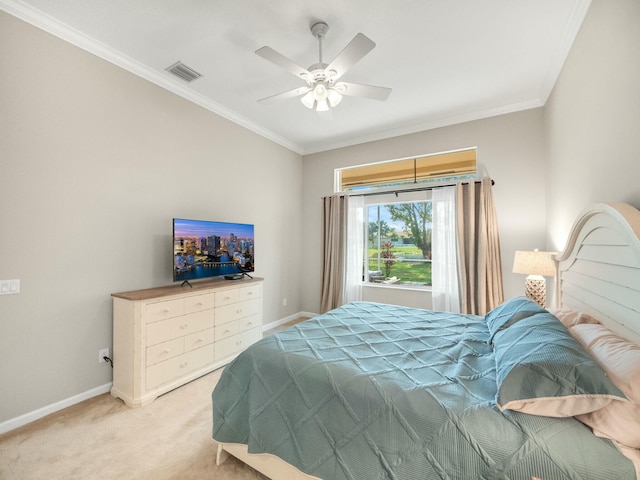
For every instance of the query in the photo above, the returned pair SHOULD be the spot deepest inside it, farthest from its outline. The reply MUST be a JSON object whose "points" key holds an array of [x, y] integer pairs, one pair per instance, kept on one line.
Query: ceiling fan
{"points": [[323, 90]]}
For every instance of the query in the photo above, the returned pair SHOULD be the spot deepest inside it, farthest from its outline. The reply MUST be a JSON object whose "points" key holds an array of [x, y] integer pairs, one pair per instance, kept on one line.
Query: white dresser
{"points": [[165, 337]]}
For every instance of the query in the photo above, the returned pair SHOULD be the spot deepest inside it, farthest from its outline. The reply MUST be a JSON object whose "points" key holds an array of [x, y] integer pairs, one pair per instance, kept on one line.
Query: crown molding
{"points": [[578, 14]]}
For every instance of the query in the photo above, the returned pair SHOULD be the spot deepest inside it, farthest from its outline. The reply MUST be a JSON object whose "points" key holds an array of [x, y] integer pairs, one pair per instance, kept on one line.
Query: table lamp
{"points": [[536, 265]]}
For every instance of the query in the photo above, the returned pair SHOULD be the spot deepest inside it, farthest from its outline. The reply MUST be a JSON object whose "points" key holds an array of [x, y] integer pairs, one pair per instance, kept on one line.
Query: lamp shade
{"points": [[534, 263], [321, 97]]}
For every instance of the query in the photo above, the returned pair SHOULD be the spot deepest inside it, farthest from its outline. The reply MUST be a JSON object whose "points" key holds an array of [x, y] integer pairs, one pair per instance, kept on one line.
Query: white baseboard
{"points": [[282, 321], [29, 417]]}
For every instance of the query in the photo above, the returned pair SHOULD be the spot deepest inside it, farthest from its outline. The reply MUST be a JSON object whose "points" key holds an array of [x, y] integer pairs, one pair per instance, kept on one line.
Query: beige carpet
{"points": [[102, 438]]}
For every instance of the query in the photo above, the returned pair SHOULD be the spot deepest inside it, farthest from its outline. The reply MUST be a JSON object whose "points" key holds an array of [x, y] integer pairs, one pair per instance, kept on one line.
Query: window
{"points": [[398, 240], [398, 226], [447, 166]]}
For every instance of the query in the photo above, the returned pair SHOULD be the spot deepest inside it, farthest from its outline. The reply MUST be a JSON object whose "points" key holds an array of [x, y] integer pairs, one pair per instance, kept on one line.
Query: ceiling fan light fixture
{"points": [[321, 98], [333, 97], [320, 92], [322, 106], [308, 100]]}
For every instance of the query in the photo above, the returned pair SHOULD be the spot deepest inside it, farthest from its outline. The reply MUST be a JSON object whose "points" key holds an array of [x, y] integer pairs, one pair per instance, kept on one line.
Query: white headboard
{"points": [[599, 270]]}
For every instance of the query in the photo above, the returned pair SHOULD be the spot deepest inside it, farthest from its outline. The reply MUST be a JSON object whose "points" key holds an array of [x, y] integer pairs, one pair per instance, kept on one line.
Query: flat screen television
{"points": [[203, 249]]}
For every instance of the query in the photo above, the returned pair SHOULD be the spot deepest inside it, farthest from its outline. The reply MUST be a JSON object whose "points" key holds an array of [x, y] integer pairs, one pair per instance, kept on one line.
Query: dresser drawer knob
{"points": [[226, 332], [183, 326], [182, 365], [166, 350], [249, 324]]}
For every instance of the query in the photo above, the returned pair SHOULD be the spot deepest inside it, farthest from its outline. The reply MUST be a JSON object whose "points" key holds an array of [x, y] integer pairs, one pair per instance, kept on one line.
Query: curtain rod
{"points": [[421, 189]]}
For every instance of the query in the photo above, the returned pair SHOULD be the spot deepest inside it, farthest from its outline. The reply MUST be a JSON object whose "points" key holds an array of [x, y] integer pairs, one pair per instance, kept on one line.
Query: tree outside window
{"points": [[399, 242]]}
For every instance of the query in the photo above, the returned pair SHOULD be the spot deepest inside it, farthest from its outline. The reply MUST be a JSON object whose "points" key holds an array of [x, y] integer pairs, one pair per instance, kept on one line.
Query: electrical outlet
{"points": [[101, 354], [284, 302]]}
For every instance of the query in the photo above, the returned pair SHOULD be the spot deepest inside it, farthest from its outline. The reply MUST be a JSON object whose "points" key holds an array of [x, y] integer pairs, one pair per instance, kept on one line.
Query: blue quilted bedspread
{"points": [[372, 391]]}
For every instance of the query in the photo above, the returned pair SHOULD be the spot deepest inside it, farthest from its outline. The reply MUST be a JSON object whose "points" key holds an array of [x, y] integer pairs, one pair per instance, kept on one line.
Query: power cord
{"points": [[108, 360]]}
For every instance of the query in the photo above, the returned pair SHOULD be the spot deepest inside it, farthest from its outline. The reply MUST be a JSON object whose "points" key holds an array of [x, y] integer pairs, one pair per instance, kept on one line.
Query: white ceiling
{"points": [[447, 61]]}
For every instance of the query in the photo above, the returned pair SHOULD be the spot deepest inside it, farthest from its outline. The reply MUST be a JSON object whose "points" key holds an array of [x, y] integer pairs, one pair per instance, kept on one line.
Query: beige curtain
{"points": [[480, 264], [334, 238]]}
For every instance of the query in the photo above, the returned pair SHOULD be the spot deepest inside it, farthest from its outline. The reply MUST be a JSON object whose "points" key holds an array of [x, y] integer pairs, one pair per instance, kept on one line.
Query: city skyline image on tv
{"points": [[203, 249]]}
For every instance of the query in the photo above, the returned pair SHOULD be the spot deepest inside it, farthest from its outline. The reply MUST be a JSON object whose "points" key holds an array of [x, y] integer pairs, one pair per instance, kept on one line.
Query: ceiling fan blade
{"points": [[359, 90], [290, 66], [350, 55], [286, 95]]}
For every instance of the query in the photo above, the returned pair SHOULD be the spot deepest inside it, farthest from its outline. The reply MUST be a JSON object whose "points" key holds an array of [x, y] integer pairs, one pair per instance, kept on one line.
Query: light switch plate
{"points": [[9, 287]]}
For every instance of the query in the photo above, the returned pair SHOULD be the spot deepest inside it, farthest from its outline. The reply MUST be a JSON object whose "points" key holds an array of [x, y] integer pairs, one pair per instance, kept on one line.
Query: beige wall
{"points": [[95, 163], [592, 119], [510, 150]]}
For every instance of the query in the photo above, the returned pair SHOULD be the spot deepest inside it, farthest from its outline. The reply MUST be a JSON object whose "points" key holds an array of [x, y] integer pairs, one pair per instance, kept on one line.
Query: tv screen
{"points": [[203, 249]]}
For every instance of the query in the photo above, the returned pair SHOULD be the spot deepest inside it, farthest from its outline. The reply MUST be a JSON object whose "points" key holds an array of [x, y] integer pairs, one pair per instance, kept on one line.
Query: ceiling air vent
{"points": [[187, 74]]}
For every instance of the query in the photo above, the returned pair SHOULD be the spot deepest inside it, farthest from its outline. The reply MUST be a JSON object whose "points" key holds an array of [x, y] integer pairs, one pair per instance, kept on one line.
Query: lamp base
{"points": [[535, 289]]}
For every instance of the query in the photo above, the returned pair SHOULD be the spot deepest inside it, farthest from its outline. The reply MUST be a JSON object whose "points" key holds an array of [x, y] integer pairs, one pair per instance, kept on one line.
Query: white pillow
{"points": [[569, 318], [619, 421]]}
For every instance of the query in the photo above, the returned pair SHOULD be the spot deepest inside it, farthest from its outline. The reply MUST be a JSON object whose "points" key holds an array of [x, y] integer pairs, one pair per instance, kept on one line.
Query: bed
{"points": [[382, 391]]}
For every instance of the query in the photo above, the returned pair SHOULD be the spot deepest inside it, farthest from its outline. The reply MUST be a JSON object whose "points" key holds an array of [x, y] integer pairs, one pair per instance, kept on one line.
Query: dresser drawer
{"points": [[226, 297], [228, 313], [198, 339], [164, 351], [236, 326], [165, 330], [252, 291], [236, 343], [247, 323], [161, 310], [179, 366], [198, 303], [226, 330]]}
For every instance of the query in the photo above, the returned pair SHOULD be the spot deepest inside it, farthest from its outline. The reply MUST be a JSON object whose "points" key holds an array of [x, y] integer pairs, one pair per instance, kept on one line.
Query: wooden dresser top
{"points": [[178, 289]]}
